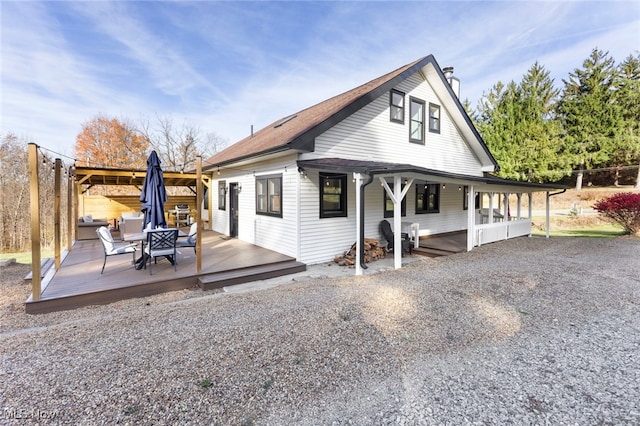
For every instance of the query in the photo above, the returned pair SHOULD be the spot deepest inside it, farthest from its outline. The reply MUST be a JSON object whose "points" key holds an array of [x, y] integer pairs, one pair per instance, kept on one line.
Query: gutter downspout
{"points": [[548, 223], [361, 251]]}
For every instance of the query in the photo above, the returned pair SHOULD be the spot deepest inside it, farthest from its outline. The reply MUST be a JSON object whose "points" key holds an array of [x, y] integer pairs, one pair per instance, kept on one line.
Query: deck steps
{"points": [[443, 244], [45, 265], [252, 273], [431, 252]]}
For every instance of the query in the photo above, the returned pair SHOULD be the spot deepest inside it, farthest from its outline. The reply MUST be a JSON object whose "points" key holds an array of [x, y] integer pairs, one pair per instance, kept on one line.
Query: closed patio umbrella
{"points": [[154, 194]]}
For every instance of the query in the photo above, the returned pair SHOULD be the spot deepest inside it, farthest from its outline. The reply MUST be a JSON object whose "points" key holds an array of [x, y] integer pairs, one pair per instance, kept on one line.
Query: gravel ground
{"points": [[527, 331]]}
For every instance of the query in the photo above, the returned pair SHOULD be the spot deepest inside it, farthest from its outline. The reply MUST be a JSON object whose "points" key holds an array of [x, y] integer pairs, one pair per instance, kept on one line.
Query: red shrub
{"points": [[623, 209]]}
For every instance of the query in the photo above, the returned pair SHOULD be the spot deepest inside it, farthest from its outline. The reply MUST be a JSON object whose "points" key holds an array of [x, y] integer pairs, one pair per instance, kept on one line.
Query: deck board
{"points": [[79, 283]]}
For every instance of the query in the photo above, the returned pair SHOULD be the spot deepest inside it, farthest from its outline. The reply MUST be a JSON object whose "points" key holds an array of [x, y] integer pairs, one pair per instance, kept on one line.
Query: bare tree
{"points": [[178, 145], [14, 187], [15, 230]]}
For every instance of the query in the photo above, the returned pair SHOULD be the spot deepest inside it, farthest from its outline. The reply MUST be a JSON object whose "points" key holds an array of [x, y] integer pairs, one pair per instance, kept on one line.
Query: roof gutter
{"points": [[558, 193]]}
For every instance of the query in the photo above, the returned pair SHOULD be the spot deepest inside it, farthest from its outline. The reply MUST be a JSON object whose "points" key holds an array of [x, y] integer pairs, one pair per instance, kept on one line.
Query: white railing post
{"points": [[490, 218]]}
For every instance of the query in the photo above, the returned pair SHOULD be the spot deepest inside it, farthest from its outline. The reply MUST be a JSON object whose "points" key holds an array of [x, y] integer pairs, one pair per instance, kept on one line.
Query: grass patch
{"points": [[205, 384], [25, 257], [596, 231]]}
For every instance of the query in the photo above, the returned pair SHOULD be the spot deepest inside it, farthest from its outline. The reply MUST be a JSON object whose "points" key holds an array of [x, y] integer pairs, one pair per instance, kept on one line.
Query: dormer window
{"points": [[434, 118], [396, 103]]}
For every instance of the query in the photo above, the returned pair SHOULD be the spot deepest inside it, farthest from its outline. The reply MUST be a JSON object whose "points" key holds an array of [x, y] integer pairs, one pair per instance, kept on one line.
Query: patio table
{"points": [[142, 237]]}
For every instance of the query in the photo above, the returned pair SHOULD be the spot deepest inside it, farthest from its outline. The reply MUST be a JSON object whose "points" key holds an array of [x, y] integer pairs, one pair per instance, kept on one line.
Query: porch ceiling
{"points": [[371, 168], [97, 176]]}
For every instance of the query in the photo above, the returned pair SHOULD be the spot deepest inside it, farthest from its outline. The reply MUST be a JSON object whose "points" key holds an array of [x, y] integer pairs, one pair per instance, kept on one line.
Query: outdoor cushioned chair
{"points": [[387, 233], [110, 247], [161, 242], [190, 241]]}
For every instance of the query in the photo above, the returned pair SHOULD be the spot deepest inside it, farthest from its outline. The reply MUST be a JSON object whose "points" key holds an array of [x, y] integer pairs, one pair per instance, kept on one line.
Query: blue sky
{"points": [[224, 66]]}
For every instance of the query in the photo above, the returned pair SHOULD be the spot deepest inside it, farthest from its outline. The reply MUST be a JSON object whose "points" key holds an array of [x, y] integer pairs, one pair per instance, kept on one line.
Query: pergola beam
{"points": [[56, 212]]}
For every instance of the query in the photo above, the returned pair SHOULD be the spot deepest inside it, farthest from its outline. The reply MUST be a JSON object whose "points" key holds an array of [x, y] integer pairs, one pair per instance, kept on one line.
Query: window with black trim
{"points": [[333, 195], [434, 118], [428, 198], [269, 195], [388, 204], [222, 195], [396, 103], [416, 125]]}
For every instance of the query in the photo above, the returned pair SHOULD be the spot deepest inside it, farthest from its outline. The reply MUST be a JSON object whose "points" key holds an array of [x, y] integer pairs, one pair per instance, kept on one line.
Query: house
{"points": [[399, 147]]}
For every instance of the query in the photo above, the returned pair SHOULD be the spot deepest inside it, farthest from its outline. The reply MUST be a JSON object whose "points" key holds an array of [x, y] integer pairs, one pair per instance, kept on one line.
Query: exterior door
{"points": [[233, 210]]}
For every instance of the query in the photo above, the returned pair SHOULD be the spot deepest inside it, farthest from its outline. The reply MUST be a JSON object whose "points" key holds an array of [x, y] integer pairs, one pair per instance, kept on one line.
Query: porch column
{"points": [[547, 214], [519, 212], [505, 209], [471, 219], [358, 178], [199, 228], [34, 190], [490, 218], [69, 210], [397, 222], [396, 195], [530, 194], [76, 206]]}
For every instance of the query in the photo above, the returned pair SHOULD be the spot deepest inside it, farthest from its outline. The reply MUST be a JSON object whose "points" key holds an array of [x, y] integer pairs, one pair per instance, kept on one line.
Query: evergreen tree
{"points": [[538, 130], [628, 98], [590, 117], [517, 124]]}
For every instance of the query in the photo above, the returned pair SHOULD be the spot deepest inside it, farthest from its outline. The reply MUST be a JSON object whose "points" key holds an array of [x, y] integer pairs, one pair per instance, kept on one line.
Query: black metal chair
{"points": [[161, 242], [387, 233], [110, 247]]}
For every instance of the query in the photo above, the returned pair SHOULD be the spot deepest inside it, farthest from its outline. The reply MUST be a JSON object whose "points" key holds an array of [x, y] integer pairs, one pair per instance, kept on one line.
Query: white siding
{"points": [[323, 239], [368, 134], [274, 233]]}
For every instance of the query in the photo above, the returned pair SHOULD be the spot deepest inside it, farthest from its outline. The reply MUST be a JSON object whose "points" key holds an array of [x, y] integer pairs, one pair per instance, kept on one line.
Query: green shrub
{"points": [[623, 209]]}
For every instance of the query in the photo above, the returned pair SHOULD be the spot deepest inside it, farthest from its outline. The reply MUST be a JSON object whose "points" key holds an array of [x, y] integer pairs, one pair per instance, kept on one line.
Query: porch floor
{"points": [[442, 244], [78, 282]]}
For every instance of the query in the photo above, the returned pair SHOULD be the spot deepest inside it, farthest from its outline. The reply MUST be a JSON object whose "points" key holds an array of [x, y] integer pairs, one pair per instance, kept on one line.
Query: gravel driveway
{"points": [[527, 331]]}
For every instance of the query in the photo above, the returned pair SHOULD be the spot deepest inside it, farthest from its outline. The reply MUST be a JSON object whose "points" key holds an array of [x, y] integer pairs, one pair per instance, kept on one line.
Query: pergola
{"points": [[89, 176]]}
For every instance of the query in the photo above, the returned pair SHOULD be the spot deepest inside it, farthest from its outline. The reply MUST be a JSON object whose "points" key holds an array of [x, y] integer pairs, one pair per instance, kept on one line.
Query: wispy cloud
{"points": [[227, 65]]}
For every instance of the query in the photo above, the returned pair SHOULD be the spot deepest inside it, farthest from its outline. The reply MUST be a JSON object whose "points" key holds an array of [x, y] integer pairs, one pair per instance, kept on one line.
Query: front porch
{"points": [[225, 261]]}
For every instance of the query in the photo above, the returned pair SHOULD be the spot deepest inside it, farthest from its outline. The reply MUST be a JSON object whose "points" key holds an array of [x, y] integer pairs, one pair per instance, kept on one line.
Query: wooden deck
{"points": [[225, 261]]}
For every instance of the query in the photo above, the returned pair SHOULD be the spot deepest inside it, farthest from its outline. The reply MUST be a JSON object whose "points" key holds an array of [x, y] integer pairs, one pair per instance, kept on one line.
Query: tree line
{"points": [[537, 133], [540, 133], [102, 142], [121, 143]]}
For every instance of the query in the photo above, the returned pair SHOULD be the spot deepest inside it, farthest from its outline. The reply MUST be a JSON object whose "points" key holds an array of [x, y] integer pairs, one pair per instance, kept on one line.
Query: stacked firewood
{"points": [[372, 251]]}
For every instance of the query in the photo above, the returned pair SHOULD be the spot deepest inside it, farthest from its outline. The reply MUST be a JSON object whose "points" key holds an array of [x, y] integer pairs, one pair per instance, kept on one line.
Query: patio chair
{"points": [[161, 242], [387, 233], [190, 240], [110, 247]]}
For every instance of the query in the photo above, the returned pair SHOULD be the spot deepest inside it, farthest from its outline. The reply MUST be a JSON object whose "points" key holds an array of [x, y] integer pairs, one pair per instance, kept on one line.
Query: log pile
{"points": [[372, 251]]}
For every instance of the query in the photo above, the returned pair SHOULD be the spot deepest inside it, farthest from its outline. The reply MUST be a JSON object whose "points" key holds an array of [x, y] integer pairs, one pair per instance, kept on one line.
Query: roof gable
{"points": [[298, 131]]}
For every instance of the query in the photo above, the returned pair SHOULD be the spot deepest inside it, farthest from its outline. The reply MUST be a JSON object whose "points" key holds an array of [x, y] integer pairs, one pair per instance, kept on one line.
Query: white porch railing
{"points": [[490, 232], [519, 228]]}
